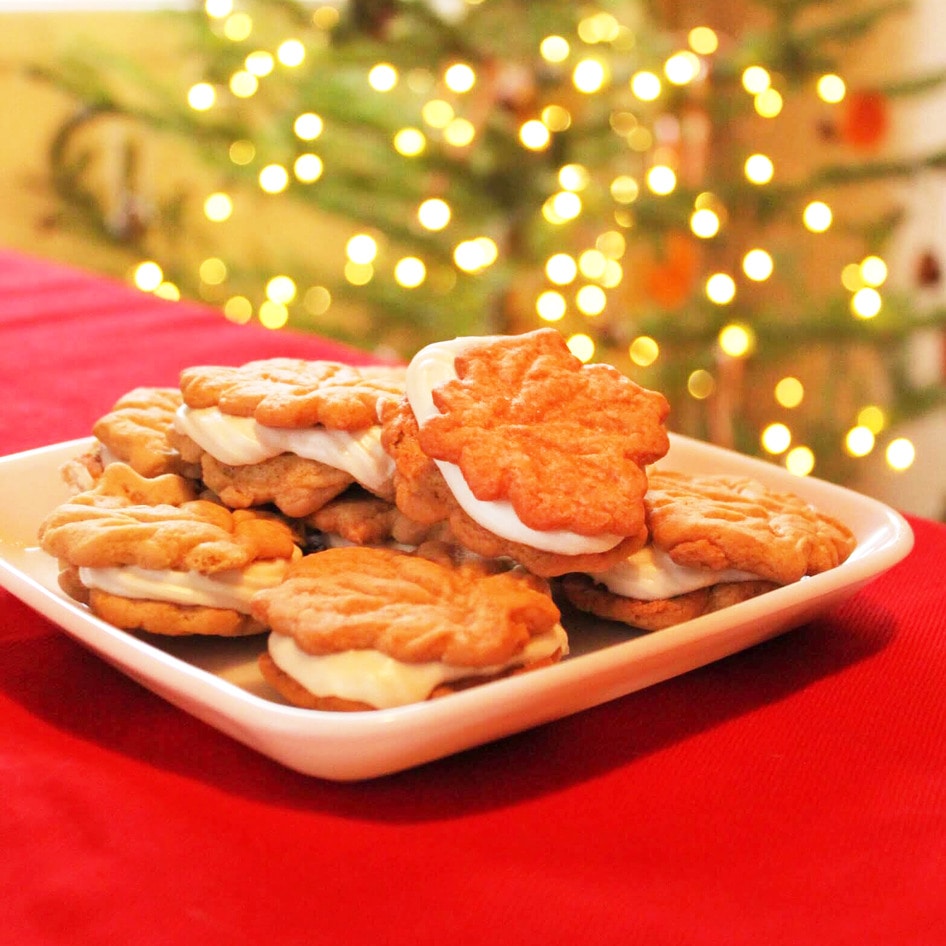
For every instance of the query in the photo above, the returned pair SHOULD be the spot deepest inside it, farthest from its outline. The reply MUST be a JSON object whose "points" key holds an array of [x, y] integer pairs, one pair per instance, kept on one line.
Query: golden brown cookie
{"points": [[286, 431], [145, 553], [135, 431], [293, 392], [715, 540], [360, 518], [360, 627], [526, 432]]}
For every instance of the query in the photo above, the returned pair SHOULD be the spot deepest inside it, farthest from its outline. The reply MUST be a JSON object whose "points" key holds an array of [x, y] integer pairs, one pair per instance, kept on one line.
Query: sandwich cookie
{"points": [[286, 431], [360, 628], [715, 540], [146, 554], [527, 452]]}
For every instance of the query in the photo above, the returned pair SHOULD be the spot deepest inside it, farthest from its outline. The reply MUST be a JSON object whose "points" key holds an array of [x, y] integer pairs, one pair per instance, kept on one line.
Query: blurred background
{"points": [[741, 203]]}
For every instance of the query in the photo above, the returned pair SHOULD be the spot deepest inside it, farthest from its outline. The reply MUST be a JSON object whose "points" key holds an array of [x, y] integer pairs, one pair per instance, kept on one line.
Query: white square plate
{"points": [[218, 681]]}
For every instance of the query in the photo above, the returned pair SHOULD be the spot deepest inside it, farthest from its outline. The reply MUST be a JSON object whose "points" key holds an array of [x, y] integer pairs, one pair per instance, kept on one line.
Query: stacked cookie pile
{"points": [[402, 533]]}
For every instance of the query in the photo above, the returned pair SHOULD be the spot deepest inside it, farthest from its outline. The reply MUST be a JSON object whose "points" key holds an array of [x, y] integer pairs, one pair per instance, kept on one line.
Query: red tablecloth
{"points": [[794, 793]]}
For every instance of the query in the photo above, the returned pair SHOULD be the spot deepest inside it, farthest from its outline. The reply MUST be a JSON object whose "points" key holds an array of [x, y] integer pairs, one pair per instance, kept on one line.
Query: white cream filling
{"points": [[241, 441], [369, 676], [433, 366], [231, 589], [651, 575]]}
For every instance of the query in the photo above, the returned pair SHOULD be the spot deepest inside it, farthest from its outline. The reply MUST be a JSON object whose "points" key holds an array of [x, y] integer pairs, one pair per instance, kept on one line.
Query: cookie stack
{"points": [[402, 533]]}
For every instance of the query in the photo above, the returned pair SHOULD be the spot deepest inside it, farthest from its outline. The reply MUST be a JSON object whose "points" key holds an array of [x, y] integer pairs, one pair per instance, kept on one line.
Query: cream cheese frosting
{"points": [[435, 365], [650, 574], [231, 589], [241, 441], [372, 677]]}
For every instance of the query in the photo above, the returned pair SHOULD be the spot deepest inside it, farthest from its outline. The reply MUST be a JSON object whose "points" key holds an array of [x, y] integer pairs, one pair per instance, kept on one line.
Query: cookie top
{"points": [[728, 522], [525, 421], [293, 392], [410, 607], [127, 519], [137, 428]]}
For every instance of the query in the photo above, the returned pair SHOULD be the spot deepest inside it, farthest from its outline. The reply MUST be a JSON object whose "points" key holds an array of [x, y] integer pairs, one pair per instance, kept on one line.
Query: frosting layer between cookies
{"points": [[650, 574], [372, 677], [241, 441], [435, 365], [231, 589]]}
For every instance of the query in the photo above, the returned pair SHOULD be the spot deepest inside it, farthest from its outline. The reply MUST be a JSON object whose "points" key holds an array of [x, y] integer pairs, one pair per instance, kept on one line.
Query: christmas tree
{"points": [[694, 204]]}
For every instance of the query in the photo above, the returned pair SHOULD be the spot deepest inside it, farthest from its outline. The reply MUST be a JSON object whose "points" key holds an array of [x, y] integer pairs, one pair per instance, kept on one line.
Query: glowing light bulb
{"points": [[768, 103], [237, 27], [361, 248], [213, 271], [900, 454], [561, 269], [758, 265], [736, 340], [789, 392], [273, 179], [872, 417], [260, 63], [218, 9], [308, 168], [625, 189], [817, 216], [573, 177], [273, 315], [281, 289], [238, 309], [566, 205], [201, 96], [459, 77], [589, 76], [554, 49], [682, 67], [866, 303], [704, 223], [308, 126], [859, 441], [410, 142], [661, 179], [534, 135], [646, 85], [218, 207], [756, 79], [644, 351], [800, 461], [437, 113], [831, 88], [434, 214], [776, 438], [721, 288], [591, 300], [700, 384], [551, 306], [556, 118], [410, 272], [592, 264], [148, 276], [581, 346], [873, 271], [459, 132], [382, 77], [703, 40], [291, 53], [759, 169]]}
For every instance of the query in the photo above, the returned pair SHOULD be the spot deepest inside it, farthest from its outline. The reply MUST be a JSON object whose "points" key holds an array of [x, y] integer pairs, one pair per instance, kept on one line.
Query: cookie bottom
{"points": [[298, 695], [587, 595]]}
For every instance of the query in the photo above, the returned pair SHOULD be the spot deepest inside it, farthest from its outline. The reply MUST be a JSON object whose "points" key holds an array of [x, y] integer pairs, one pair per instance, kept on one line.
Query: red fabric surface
{"points": [[793, 793]]}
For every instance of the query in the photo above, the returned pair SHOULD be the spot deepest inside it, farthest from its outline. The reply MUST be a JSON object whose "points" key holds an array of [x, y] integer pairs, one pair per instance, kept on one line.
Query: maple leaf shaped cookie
{"points": [[564, 442], [412, 608], [293, 392]]}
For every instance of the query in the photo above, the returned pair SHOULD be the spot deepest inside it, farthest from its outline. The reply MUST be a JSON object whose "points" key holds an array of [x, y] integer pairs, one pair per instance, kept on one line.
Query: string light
{"points": [[237, 27], [662, 179], [308, 168], [776, 438], [866, 303], [308, 126], [758, 265], [789, 392], [831, 88], [434, 214], [382, 77], [759, 169], [147, 276], [410, 142], [682, 67], [703, 40], [859, 441], [281, 289], [646, 86], [201, 96], [900, 454], [561, 269], [800, 461], [551, 306], [273, 179], [459, 78], [721, 288], [701, 384], [218, 207], [361, 248], [756, 79], [644, 351], [591, 300], [534, 135], [817, 216], [736, 340], [554, 49], [582, 347], [768, 103], [291, 53], [410, 272], [589, 76]]}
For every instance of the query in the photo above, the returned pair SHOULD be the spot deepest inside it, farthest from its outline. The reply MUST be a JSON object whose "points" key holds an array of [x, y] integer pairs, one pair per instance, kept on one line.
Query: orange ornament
{"points": [[669, 277], [865, 119]]}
